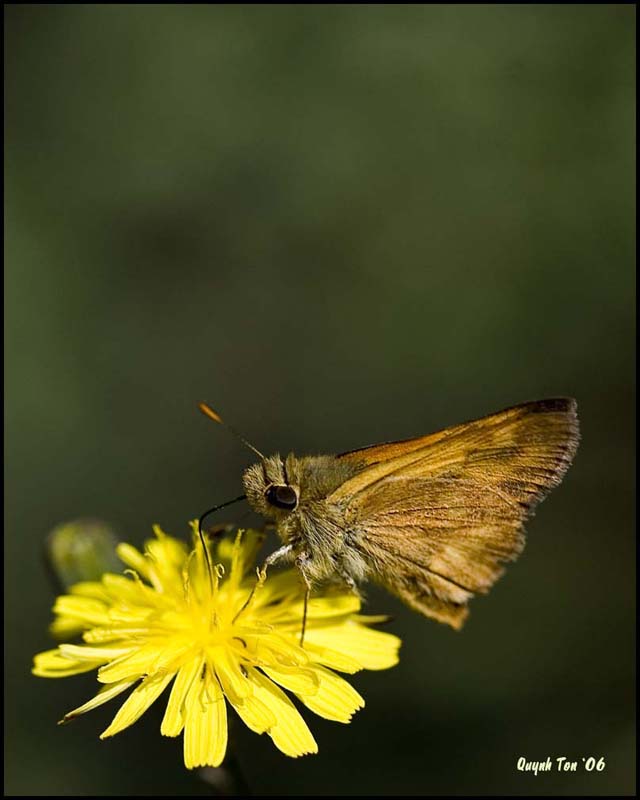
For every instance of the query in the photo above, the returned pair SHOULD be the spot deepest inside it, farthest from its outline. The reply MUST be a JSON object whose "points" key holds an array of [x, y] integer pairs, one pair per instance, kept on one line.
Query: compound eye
{"points": [[282, 497]]}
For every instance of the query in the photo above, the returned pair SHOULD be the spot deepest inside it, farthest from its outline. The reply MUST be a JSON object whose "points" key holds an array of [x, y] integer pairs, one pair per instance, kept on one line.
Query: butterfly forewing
{"points": [[436, 517]]}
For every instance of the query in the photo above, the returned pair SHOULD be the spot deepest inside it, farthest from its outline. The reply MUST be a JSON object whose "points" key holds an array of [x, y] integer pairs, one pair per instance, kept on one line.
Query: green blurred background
{"points": [[339, 225]]}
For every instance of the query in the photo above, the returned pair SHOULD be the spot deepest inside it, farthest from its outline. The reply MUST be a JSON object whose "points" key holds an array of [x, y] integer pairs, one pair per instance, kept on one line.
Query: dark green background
{"points": [[339, 225]]}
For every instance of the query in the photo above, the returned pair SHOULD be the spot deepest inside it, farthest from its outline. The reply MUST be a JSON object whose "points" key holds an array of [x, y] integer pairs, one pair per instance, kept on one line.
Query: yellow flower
{"points": [[171, 618]]}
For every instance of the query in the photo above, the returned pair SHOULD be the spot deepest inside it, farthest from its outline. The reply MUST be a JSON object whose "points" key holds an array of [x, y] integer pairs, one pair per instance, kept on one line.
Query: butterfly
{"points": [[433, 519]]}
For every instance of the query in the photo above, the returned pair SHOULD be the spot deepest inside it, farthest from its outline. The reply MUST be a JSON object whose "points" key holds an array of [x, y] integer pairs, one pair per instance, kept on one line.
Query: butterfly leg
{"points": [[301, 561], [278, 555], [281, 554]]}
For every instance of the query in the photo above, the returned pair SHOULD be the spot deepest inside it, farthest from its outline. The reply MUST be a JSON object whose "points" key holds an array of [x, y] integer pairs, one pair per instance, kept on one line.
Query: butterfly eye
{"points": [[282, 497]]}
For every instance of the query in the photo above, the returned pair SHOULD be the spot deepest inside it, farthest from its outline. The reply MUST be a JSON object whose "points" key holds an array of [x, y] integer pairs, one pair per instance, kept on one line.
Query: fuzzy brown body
{"points": [[432, 519]]}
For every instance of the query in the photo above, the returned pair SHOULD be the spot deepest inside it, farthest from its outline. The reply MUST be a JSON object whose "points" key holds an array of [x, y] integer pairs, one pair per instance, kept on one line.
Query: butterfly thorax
{"points": [[294, 493]]}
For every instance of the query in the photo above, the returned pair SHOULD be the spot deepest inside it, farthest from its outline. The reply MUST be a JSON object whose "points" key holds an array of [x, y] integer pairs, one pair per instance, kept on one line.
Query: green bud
{"points": [[81, 550]]}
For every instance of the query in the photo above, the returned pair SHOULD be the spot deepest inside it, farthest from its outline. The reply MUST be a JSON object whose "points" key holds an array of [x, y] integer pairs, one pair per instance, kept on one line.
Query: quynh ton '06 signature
{"points": [[562, 764]]}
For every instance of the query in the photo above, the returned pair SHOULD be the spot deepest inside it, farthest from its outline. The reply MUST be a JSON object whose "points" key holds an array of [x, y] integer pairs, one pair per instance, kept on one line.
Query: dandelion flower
{"points": [[170, 619]]}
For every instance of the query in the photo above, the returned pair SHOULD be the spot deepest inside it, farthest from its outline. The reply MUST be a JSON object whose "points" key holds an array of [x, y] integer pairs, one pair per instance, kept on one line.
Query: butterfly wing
{"points": [[436, 517]]}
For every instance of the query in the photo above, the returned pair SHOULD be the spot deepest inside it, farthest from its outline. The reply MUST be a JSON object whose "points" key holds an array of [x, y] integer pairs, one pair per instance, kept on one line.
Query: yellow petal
{"points": [[332, 606], [167, 549], [66, 627], [370, 619], [296, 679], [84, 652], [277, 587], [249, 543], [233, 564], [89, 589], [170, 657], [290, 734], [134, 665], [137, 703], [239, 556], [330, 658], [113, 633], [133, 558], [371, 648], [130, 615], [52, 664], [125, 589], [85, 609], [225, 550], [234, 684], [205, 730], [167, 556], [255, 714], [271, 648], [104, 695], [173, 720], [335, 699]]}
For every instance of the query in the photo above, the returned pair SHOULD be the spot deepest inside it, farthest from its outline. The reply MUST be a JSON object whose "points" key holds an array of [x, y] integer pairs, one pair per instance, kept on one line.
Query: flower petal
{"points": [[278, 586], [85, 652], [205, 730], [113, 633], [334, 699], [173, 720], [255, 714], [85, 609], [52, 664], [272, 648], [129, 590], [89, 589], [290, 734], [296, 679], [330, 658], [66, 628], [371, 648], [134, 664], [234, 684], [167, 549], [338, 605], [137, 703], [167, 557], [104, 695], [133, 558]]}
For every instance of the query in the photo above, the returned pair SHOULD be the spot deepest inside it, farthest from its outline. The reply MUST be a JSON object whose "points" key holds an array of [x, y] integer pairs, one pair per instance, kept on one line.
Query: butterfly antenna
{"points": [[209, 412]]}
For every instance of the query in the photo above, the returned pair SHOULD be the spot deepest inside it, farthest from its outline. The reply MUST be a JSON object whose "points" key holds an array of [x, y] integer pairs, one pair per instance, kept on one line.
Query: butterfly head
{"points": [[268, 489]]}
